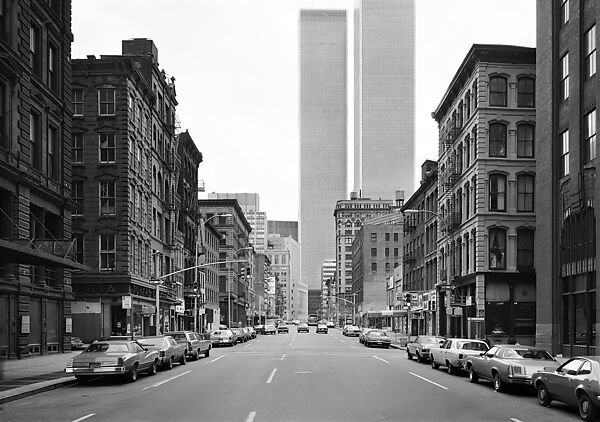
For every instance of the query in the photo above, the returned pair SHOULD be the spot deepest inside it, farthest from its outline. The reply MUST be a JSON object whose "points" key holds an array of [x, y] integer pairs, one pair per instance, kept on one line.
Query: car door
{"points": [[144, 356], [483, 364], [415, 345], [560, 381], [443, 354]]}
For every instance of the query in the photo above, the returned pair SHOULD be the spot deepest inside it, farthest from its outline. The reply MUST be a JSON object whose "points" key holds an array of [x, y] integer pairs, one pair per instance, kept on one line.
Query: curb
{"points": [[397, 346], [35, 388]]}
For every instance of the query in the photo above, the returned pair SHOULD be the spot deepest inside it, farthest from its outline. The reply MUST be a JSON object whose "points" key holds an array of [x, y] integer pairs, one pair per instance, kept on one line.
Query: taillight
{"points": [[460, 356], [120, 361], [161, 353]]}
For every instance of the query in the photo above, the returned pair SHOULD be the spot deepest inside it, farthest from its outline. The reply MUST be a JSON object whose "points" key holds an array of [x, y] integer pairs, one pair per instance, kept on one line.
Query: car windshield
{"points": [[473, 345], [377, 333], [429, 340], [222, 333], [179, 336], [527, 354], [106, 347], [151, 342]]}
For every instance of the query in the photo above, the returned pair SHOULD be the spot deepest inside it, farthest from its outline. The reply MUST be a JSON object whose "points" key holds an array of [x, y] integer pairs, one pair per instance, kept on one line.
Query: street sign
{"points": [[126, 302]]}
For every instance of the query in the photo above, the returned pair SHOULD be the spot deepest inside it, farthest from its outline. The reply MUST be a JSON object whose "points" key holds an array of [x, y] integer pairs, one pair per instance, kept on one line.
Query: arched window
{"points": [[525, 245], [525, 140], [498, 91], [526, 92], [497, 135], [497, 249], [497, 192], [525, 192]]}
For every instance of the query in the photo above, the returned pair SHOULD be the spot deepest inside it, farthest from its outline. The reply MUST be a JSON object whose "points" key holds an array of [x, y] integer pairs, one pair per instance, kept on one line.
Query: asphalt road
{"points": [[290, 377]]}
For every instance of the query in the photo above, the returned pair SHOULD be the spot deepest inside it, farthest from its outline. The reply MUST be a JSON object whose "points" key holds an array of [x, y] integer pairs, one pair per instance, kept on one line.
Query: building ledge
{"points": [[50, 253]]}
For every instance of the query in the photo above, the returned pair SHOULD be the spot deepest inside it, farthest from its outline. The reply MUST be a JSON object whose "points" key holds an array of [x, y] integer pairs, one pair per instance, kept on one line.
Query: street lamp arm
{"points": [[200, 266]]}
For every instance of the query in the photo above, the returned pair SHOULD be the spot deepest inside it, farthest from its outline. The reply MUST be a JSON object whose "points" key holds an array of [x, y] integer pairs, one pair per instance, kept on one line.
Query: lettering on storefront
{"points": [[100, 289]]}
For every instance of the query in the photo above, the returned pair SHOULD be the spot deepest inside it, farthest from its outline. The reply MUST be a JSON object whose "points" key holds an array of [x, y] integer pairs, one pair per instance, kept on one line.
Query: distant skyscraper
{"points": [[323, 137], [283, 228], [384, 80]]}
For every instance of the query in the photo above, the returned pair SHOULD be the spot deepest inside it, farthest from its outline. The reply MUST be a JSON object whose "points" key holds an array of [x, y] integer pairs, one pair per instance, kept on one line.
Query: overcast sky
{"points": [[236, 68]]}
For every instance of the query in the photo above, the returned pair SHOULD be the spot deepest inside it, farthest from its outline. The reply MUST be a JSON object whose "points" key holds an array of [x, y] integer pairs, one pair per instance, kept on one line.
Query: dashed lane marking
{"points": [[251, 416], [214, 360], [84, 417], [429, 381], [167, 380], [271, 376], [383, 360], [353, 346], [515, 420], [283, 356]]}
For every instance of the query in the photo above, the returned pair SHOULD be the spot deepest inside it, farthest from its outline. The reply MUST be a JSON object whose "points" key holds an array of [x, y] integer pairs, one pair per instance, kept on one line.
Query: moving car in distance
{"points": [[270, 329], [453, 353], [302, 328], [296, 321], [222, 338], [576, 382], [351, 330], [322, 328], [260, 329], [509, 364], [113, 357], [195, 344], [421, 347], [377, 338], [283, 328], [169, 351], [313, 320]]}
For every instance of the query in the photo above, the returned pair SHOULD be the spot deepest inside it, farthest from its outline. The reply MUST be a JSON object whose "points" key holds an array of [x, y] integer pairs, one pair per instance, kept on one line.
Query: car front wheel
{"points": [[152, 369], [434, 365], [207, 353], [587, 410], [133, 374], [473, 377], [183, 359], [419, 358], [169, 364], [544, 397]]}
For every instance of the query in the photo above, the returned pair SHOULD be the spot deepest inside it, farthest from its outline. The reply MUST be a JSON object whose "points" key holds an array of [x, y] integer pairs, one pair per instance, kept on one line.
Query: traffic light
{"points": [[248, 272], [407, 298], [195, 286]]}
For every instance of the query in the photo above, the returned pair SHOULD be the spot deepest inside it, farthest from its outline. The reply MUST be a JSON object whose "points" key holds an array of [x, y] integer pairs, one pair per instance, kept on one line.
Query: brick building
{"points": [[128, 223], [35, 178], [486, 211], [567, 96]]}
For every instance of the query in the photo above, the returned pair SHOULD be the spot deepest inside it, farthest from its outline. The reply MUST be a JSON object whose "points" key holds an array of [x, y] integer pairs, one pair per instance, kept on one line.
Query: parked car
{"points": [[351, 330], [330, 324], [453, 353], [576, 382], [363, 333], [77, 343], [239, 337], [260, 329], [252, 332], [247, 333], [296, 321], [283, 328], [168, 349], [270, 329], [195, 344], [509, 364], [302, 327], [222, 338], [114, 357], [377, 338], [322, 328], [421, 347]]}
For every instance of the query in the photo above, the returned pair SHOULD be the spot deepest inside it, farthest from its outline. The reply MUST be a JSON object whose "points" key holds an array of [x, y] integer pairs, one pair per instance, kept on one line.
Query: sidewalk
{"points": [[24, 377]]}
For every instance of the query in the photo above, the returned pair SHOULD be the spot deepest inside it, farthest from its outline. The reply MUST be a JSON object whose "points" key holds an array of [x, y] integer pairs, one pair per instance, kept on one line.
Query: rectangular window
{"points": [[107, 198], [497, 192], [53, 153], [108, 252], [34, 50], [78, 197], [373, 237], [564, 156], [525, 244], [387, 252], [564, 12], [387, 267], [396, 252], [373, 266], [498, 91], [78, 247], [526, 92], [395, 237], [77, 148], [589, 129], [107, 147], [564, 76], [106, 102], [4, 116], [373, 251], [525, 192], [497, 249], [52, 76], [35, 135], [590, 52], [525, 135], [78, 102], [387, 237], [497, 134]]}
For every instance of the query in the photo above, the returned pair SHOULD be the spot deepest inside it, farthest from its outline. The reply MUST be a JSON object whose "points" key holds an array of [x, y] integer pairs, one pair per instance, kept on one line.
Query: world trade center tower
{"points": [[323, 138]]}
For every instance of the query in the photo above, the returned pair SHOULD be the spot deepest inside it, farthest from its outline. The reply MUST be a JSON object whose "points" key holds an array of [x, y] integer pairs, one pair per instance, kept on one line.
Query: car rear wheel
{"points": [[434, 365], [183, 359], [544, 397], [207, 353], [499, 385], [408, 355], [152, 369], [169, 364], [587, 410], [419, 358], [133, 374], [473, 377], [451, 368]]}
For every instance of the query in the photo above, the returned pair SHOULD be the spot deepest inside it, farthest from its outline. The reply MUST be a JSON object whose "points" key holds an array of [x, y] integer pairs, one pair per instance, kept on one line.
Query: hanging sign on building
{"points": [[126, 302]]}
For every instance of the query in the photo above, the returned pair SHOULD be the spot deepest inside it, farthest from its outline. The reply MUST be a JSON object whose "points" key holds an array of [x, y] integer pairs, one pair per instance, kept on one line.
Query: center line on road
{"points": [[383, 360], [429, 381], [214, 360], [271, 376], [515, 420], [84, 417], [251, 416], [247, 345], [353, 346], [284, 355], [167, 380]]}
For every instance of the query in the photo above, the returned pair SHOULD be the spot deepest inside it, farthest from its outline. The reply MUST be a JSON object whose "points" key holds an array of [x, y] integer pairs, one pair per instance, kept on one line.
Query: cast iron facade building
{"points": [[127, 223], [35, 178], [567, 231], [486, 180]]}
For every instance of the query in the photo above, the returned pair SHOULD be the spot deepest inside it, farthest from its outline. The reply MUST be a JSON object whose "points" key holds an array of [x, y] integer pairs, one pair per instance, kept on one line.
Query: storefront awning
{"points": [[50, 253]]}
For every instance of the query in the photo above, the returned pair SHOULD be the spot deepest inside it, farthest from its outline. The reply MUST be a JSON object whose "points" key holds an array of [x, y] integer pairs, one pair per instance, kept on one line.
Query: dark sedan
{"points": [[576, 382], [377, 338], [240, 336], [283, 328], [302, 327], [169, 351]]}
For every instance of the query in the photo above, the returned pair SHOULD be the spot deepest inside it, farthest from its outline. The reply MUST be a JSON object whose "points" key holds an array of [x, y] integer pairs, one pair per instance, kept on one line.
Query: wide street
{"points": [[290, 377]]}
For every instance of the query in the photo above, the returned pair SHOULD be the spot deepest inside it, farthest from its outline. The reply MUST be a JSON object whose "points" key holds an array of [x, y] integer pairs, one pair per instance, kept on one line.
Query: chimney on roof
{"points": [[140, 47]]}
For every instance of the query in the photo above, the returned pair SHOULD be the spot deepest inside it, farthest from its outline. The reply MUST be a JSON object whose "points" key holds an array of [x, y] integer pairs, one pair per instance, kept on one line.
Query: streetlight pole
{"points": [[229, 279]]}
